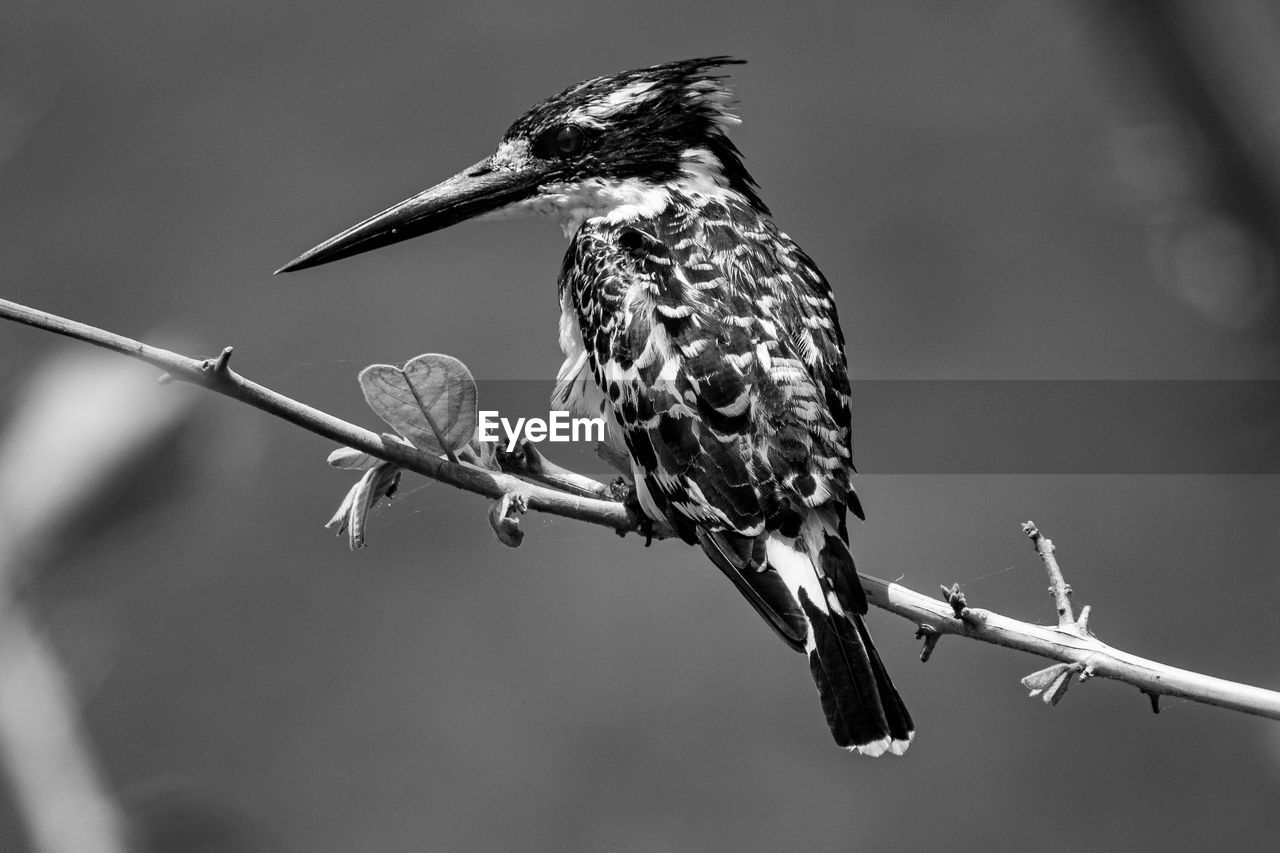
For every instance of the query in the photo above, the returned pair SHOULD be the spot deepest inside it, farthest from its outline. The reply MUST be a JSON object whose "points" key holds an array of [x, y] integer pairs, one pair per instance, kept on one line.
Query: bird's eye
{"points": [[569, 140], [562, 142]]}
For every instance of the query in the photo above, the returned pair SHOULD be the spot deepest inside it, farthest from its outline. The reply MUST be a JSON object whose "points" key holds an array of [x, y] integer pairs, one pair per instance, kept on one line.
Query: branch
{"points": [[1078, 652], [215, 374], [528, 463], [1070, 643], [1058, 587]]}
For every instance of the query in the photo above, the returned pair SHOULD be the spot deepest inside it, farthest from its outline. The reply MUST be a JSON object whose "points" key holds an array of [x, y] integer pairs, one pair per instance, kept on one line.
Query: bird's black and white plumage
{"points": [[707, 339]]}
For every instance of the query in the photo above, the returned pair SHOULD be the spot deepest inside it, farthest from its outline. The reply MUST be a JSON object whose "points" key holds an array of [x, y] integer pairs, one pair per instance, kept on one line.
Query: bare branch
{"points": [[1058, 587], [227, 382], [1068, 643], [528, 463], [1070, 647]]}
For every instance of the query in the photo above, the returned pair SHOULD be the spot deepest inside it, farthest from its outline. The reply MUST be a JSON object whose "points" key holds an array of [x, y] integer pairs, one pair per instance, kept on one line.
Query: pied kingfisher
{"points": [[706, 338]]}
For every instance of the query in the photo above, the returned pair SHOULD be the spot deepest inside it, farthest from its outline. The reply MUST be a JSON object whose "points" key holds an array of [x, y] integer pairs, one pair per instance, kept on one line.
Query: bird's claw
{"points": [[620, 488], [642, 522]]}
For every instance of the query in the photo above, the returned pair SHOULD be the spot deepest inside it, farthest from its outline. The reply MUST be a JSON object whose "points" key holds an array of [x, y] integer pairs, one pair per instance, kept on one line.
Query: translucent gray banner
{"points": [[1021, 426]]}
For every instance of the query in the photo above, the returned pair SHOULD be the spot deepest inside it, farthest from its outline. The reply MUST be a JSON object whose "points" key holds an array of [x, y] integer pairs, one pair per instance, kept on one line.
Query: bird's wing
{"points": [[715, 340]]}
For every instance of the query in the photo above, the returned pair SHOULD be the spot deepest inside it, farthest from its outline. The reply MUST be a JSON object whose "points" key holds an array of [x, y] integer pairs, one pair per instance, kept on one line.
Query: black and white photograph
{"points": [[638, 427]]}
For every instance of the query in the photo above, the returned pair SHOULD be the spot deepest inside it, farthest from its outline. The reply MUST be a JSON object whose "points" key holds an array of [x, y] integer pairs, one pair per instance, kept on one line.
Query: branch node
{"points": [[971, 617], [930, 635], [217, 366], [953, 596]]}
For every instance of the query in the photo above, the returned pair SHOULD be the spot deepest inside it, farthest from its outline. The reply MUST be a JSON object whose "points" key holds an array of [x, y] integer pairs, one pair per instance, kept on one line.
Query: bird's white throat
{"points": [[624, 199]]}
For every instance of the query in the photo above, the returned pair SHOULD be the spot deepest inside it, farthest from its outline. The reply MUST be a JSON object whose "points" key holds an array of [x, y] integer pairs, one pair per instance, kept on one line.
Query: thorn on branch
{"points": [[1155, 701], [504, 518], [217, 366], [1082, 624], [930, 635]]}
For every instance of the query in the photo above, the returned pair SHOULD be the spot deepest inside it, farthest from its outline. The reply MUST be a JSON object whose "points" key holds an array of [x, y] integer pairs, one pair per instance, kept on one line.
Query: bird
{"points": [[706, 338]]}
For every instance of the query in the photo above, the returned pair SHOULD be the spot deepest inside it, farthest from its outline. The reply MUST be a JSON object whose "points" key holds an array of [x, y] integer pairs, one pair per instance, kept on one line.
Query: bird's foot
{"points": [[642, 522], [621, 489]]}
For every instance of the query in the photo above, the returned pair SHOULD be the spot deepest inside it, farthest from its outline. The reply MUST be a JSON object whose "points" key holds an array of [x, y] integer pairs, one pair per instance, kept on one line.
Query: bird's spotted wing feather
{"points": [[715, 341]]}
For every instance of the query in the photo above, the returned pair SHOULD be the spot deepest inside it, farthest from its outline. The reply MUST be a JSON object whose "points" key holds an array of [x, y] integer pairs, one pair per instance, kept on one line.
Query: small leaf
{"points": [[486, 453], [1051, 683], [431, 401], [350, 459], [1057, 689], [1040, 679], [378, 482]]}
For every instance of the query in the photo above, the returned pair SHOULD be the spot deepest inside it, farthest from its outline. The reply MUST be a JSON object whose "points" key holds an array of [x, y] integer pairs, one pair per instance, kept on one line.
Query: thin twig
{"points": [[227, 382], [1069, 645], [528, 463], [1058, 587]]}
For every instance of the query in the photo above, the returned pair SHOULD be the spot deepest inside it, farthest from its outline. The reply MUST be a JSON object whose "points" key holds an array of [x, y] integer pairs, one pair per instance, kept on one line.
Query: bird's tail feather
{"points": [[862, 706]]}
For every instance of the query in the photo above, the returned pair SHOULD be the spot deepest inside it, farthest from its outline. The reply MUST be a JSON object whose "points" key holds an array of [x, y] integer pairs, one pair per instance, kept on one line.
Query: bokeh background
{"points": [[997, 190]]}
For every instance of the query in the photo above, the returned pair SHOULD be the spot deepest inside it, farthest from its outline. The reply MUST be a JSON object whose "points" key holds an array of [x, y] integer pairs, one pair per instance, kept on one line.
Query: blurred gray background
{"points": [[996, 190]]}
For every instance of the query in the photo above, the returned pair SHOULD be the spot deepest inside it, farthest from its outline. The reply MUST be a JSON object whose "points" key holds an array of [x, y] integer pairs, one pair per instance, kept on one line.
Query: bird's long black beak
{"points": [[473, 191]]}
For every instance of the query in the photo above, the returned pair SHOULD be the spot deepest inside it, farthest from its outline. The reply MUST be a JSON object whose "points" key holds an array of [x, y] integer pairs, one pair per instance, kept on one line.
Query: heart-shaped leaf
{"points": [[431, 401]]}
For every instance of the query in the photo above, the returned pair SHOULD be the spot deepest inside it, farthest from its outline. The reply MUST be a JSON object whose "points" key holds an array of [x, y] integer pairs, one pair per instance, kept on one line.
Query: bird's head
{"points": [[616, 146]]}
